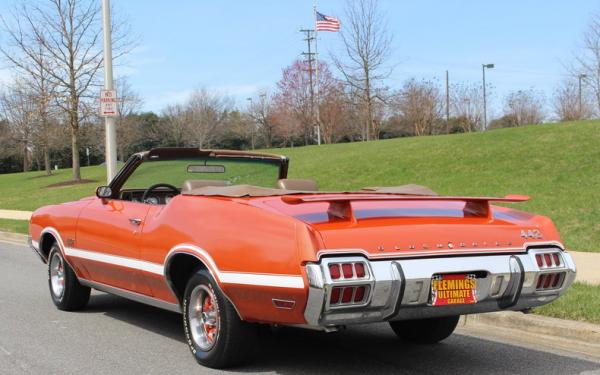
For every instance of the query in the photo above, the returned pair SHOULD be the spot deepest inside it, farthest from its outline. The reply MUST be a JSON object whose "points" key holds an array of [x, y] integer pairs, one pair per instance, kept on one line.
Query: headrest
{"points": [[297, 184], [190, 185]]}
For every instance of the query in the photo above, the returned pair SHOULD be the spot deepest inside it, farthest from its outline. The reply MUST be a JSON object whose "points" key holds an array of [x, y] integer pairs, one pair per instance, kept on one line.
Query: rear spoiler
{"points": [[340, 206]]}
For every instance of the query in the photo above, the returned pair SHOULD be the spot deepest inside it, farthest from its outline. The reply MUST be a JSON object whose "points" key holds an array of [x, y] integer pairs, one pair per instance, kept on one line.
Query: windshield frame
{"points": [[181, 153]]}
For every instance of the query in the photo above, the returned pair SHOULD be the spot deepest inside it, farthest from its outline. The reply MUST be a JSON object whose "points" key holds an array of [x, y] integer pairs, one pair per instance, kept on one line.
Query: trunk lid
{"points": [[394, 225]]}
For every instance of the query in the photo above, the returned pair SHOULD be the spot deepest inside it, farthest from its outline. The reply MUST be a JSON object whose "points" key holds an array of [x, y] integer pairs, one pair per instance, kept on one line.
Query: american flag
{"points": [[327, 23]]}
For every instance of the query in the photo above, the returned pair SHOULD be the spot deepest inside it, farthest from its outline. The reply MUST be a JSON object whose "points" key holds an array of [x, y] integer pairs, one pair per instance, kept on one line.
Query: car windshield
{"points": [[256, 172]]}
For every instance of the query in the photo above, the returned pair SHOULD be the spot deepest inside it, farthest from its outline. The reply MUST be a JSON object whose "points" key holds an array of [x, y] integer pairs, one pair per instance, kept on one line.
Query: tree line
{"points": [[54, 50]]}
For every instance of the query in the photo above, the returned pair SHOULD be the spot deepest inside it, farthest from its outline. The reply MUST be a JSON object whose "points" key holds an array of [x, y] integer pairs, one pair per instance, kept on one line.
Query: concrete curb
{"points": [[580, 339], [539, 324]]}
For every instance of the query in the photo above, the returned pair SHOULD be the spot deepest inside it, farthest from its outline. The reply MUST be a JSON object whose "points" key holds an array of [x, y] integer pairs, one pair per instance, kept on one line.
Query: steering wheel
{"points": [[156, 186]]}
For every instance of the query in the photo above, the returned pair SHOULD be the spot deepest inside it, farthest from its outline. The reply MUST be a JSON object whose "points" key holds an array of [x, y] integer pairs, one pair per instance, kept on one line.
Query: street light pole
{"points": [[580, 77], [483, 67], [109, 121]]}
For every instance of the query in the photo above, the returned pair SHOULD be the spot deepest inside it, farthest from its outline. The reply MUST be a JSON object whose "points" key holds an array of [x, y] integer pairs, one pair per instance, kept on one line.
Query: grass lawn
{"points": [[581, 302], [16, 226], [558, 165]]}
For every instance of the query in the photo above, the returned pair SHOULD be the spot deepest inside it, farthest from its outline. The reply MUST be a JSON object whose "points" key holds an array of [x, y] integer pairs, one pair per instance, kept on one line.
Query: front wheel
{"points": [[425, 331], [215, 334], [66, 291]]}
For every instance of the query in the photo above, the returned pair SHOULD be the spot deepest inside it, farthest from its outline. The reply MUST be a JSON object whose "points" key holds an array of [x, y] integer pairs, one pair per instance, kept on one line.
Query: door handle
{"points": [[135, 221]]}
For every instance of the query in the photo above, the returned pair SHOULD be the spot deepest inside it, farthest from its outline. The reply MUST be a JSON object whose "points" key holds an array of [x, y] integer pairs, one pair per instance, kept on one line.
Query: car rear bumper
{"points": [[401, 289]]}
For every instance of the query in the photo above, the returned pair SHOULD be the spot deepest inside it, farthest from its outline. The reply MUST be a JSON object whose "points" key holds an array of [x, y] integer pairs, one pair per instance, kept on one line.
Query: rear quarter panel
{"points": [[240, 239]]}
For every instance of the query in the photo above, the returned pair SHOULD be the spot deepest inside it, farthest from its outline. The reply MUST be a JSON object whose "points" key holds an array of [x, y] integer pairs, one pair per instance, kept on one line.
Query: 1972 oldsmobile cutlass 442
{"points": [[227, 240]]}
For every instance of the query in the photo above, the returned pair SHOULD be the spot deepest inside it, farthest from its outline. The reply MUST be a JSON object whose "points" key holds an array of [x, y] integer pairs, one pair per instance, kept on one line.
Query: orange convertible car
{"points": [[225, 238]]}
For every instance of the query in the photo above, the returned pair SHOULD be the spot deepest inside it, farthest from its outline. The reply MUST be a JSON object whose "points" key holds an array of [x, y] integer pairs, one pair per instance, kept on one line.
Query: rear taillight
{"points": [[334, 271], [548, 260], [347, 271], [549, 281], [335, 296], [348, 295]]}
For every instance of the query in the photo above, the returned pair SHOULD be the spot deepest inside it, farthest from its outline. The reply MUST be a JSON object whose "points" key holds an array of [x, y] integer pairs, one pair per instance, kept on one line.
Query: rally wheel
{"points": [[66, 291], [425, 331], [215, 334]]}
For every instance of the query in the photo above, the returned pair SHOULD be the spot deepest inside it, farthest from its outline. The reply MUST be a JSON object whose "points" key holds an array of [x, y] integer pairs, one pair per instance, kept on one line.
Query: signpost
{"points": [[108, 103], [108, 97]]}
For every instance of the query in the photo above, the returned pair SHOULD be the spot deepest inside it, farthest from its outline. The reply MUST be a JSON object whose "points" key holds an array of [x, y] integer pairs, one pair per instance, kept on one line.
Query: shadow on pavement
{"points": [[361, 349]]}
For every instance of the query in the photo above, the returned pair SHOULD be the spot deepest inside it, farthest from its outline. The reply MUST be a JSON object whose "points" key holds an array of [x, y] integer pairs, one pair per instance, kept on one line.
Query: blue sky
{"points": [[238, 47]]}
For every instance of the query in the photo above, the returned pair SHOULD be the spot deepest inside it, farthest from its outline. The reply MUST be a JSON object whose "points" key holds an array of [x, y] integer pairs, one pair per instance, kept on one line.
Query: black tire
{"points": [[425, 331], [74, 296], [235, 340]]}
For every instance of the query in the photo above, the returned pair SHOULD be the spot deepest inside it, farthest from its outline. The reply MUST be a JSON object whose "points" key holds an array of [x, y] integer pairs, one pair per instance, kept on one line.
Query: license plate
{"points": [[453, 289]]}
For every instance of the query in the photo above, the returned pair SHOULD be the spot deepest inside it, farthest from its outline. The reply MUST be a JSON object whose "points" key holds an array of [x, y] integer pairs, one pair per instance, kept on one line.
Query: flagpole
{"points": [[317, 75]]}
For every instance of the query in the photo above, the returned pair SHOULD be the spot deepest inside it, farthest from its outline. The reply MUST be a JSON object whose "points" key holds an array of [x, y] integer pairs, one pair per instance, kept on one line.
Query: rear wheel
{"points": [[66, 291], [425, 331], [215, 334]]}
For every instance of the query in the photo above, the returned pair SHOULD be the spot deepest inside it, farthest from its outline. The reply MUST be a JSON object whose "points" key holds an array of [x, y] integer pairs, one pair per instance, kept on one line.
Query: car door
{"points": [[107, 243]]}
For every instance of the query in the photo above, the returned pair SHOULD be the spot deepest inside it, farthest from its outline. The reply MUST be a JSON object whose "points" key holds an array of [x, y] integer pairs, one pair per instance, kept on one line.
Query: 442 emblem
{"points": [[531, 233]]}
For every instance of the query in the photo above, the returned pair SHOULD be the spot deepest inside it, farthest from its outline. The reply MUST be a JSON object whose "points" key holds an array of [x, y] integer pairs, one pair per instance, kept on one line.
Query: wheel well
{"points": [[46, 244], [180, 268]]}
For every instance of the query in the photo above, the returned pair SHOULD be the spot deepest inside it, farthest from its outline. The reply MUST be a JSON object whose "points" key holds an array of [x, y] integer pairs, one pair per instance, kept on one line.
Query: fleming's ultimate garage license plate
{"points": [[454, 289]]}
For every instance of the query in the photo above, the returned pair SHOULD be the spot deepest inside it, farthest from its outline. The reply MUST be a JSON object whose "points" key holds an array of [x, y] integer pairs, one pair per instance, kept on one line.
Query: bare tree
{"points": [[206, 112], [174, 125], [366, 50], [69, 33], [467, 106], [27, 57], [419, 103], [566, 102], [261, 113], [588, 61], [524, 107], [19, 109]]}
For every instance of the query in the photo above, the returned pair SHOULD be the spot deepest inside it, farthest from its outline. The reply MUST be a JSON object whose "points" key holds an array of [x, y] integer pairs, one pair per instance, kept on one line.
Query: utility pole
{"points": [[447, 104], [483, 67], [109, 121], [580, 77], [310, 36], [253, 126]]}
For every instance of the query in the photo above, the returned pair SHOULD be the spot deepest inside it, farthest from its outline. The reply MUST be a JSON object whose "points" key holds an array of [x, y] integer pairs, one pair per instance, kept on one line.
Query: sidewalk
{"points": [[588, 264], [15, 215]]}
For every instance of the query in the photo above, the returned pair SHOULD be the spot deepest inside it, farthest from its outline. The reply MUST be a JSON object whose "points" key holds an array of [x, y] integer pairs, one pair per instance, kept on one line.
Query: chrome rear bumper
{"points": [[400, 289]]}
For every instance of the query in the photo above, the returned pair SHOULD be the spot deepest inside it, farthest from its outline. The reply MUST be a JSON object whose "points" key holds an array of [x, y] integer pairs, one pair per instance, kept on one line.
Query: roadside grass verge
{"points": [[14, 226], [558, 165], [580, 302]]}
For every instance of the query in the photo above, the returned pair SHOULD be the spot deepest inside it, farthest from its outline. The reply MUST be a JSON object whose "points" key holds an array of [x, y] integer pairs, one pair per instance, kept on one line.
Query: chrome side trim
{"points": [[61, 246], [35, 246], [131, 295]]}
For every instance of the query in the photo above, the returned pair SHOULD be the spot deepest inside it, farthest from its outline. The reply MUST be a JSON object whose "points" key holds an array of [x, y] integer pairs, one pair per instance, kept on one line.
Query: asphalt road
{"points": [[116, 336]]}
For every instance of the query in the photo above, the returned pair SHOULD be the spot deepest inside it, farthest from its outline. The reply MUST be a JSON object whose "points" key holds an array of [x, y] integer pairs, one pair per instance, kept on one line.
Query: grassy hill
{"points": [[558, 165]]}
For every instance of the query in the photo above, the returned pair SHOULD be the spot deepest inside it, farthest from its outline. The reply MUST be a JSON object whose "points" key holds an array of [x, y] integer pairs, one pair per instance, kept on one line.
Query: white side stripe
{"points": [[282, 281], [115, 260], [273, 280]]}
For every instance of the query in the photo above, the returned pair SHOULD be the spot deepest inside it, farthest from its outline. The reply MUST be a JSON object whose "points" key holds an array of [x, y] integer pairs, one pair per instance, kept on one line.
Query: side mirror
{"points": [[104, 192]]}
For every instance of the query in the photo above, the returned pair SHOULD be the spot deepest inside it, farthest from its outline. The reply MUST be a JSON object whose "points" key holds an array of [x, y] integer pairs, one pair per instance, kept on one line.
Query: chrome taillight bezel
{"points": [[354, 281], [551, 265]]}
